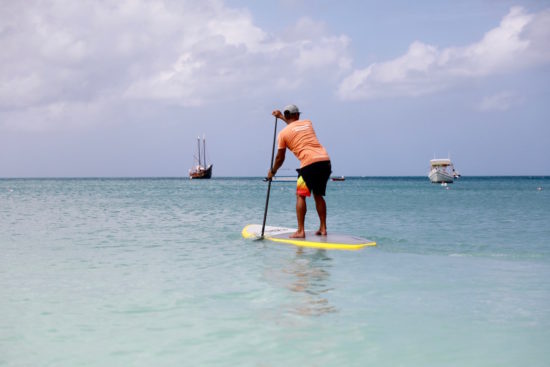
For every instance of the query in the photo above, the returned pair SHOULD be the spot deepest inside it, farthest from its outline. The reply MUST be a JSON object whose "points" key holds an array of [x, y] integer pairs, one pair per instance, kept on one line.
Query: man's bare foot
{"points": [[321, 232], [298, 234]]}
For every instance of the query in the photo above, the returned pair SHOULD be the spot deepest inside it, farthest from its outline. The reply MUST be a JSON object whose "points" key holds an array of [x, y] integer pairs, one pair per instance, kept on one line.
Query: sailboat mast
{"points": [[204, 150], [199, 144]]}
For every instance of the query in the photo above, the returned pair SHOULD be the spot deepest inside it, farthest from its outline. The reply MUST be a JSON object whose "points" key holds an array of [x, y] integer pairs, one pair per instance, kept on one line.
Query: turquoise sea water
{"points": [[154, 272]]}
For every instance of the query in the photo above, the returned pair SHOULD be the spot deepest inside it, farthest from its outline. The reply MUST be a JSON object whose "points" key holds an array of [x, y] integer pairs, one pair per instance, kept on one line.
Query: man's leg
{"points": [[301, 210], [321, 206]]}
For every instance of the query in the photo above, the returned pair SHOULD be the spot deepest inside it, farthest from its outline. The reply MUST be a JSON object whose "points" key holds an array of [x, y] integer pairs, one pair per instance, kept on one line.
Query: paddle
{"points": [[269, 183]]}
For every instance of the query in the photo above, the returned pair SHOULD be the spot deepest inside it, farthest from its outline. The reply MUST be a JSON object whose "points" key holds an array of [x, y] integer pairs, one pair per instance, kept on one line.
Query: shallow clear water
{"points": [[154, 272]]}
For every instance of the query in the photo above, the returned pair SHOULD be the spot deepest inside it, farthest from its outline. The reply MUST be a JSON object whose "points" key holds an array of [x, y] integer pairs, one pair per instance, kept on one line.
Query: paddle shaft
{"points": [[269, 183]]}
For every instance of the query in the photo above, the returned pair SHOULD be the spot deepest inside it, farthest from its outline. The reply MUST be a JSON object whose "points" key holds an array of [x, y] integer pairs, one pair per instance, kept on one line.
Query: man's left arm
{"points": [[278, 163]]}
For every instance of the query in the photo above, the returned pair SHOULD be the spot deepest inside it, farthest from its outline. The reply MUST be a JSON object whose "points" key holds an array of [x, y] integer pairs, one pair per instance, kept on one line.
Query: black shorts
{"points": [[315, 176]]}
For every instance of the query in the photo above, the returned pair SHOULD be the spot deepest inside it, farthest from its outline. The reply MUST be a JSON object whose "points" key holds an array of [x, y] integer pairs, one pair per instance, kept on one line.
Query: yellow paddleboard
{"points": [[331, 241]]}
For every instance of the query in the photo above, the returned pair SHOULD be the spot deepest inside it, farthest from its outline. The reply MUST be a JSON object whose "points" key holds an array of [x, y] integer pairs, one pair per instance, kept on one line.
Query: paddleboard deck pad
{"points": [[331, 241]]}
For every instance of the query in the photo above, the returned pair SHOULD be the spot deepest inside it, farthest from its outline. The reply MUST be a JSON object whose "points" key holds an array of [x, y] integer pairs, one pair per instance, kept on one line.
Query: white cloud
{"points": [[521, 40], [232, 57], [86, 53], [502, 101]]}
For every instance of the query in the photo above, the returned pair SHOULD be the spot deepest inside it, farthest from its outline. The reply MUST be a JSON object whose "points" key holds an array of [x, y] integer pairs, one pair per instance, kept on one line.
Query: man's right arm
{"points": [[279, 115]]}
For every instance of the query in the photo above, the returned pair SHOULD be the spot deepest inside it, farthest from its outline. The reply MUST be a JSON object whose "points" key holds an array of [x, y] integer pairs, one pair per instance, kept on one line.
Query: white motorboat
{"points": [[441, 171]]}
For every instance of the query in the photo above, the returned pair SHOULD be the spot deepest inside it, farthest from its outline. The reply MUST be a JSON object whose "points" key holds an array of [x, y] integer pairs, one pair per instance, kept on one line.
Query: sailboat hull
{"points": [[201, 173]]}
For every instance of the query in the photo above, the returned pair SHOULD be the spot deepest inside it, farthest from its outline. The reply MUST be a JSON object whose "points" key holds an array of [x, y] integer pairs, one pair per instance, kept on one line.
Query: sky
{"points": [[123, 88]]}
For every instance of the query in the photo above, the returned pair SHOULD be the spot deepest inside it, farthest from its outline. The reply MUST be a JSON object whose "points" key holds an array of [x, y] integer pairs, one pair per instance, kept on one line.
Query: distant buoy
{"points": [[539, 188]]}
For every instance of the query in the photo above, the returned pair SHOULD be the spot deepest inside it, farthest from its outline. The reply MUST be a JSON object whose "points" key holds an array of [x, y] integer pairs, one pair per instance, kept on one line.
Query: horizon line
{"points": [[233, 177]]}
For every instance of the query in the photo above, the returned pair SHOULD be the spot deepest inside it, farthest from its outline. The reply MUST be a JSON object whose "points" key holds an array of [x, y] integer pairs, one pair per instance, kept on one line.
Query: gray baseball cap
{"points": [[291, 109]]}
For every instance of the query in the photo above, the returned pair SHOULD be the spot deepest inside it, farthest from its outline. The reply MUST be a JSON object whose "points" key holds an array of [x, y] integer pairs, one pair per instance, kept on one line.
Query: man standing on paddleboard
{"points": [[315, 169]]}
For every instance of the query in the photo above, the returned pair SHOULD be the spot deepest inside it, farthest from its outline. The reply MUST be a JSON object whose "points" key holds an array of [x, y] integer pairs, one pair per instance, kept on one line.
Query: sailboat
{"points": [[201, 170]]}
